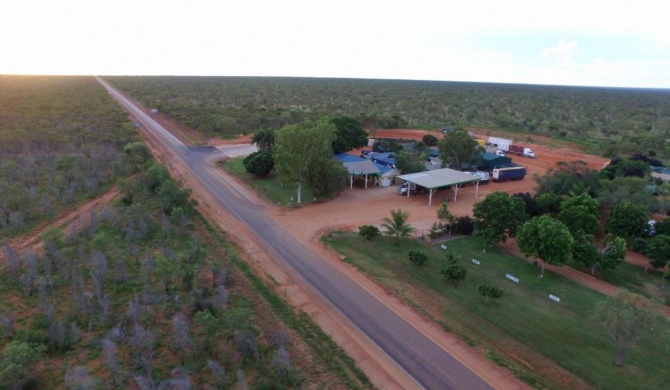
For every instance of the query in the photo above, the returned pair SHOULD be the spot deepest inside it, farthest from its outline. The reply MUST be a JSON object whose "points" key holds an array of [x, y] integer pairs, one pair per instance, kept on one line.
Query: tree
{"points": [[327, 177], [546, 238], [580, 214], [627, 220], [454, 273], [409, 162], [566, 177], [532, 208], [658, 251], [418, 258], [498, 216], [586, 251], [579, 220], [259, 163], [465, 225], [137, 152], [444, 215], [627, 318], [397, 225], [369, 232], [349, 134], [548, 203], [264, 139], [300, 149], [489, 293], [459, 151], [16, 360], [430, 140]]}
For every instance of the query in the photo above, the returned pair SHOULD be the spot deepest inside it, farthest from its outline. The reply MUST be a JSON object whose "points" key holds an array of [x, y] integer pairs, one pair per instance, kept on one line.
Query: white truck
{"points": [[506, 146]]}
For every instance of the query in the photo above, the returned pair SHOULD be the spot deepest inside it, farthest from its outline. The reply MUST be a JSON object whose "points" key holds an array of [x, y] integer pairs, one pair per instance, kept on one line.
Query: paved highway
{"points": [[425, 361]]}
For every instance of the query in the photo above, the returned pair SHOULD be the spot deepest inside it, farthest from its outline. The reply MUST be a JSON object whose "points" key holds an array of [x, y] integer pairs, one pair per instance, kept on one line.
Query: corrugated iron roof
{"points": [[439, 178]]}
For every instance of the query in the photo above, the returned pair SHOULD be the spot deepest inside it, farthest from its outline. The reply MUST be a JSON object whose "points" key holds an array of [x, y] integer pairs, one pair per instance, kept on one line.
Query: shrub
{"points": [[369, 232], [259, 164], [639, 245], [430, 140], [454, 273], [437, 230], [417, 258], [489, 293], [464, 225]]}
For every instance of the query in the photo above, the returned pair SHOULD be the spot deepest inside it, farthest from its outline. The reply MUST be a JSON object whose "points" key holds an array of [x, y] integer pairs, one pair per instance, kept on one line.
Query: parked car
{"points": [[413, 189]]}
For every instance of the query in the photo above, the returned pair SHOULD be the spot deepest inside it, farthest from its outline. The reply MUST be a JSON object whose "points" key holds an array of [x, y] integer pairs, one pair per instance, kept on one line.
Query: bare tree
{"points": [[241, 380], [134, 310], [58, 335], [7, 324], [109, 351], [246, 345], [98, 271], [182, 334], [13, 262], [93, 221], [148, 264], [179, 380], [281, 363], [142, 343], [78, 378], [76, 334], [142, 229], [220, 299], [280, 337], [120, 272], [29, 277], [217, 370], [219, 277]]}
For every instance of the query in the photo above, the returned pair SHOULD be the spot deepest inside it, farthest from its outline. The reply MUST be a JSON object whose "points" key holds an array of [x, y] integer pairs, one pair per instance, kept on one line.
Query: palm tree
{"points": [[264, 139], [397, 225]]}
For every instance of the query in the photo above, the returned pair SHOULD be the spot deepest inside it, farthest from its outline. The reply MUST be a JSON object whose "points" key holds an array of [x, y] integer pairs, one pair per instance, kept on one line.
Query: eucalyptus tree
{"points": [[301, 149], [546, 238]]}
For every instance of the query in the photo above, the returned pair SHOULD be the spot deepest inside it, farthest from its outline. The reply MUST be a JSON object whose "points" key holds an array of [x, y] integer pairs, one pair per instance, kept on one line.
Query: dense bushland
{"points": [[61, 141], [141, 294], [610, 120]]}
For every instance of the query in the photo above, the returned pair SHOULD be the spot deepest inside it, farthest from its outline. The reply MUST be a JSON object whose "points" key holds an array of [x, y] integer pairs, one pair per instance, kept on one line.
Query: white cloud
{"points": [[564, 55], [424, 39]]}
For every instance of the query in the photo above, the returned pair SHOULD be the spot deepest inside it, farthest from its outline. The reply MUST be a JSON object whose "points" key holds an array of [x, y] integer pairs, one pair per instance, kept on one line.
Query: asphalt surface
{"points": [[430, 365]]}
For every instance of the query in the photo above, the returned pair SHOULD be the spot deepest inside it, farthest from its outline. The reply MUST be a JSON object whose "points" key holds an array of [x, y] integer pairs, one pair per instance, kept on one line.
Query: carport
{"points": [[439, 178], [361, 168]]}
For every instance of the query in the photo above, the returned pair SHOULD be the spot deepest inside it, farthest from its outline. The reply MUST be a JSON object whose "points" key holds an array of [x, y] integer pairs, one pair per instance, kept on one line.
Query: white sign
{"points": [[476, 261], [512, 278], [443, 247], [554, 297]]}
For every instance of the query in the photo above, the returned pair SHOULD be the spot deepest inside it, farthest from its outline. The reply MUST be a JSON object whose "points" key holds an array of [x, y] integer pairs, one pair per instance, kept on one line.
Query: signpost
{"points": [[512, 278]]}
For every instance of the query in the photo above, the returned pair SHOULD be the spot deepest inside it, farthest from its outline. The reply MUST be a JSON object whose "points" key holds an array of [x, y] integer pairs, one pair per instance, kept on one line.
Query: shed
{"points": [[440, 178], [387, 159], [492, 160], [360, 166]]}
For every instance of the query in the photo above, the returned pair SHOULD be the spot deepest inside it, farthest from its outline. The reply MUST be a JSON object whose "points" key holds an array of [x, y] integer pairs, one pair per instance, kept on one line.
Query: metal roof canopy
{"points": [[361, 168], [445, 177]]}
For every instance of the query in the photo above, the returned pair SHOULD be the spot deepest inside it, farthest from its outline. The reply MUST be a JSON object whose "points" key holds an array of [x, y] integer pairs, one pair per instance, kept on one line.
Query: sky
{"points": [[559, 42]]}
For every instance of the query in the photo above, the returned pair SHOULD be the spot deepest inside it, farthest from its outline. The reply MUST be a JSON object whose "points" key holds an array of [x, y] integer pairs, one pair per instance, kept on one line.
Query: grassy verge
{"points": [[270, 187], [526, 331], [646, 283], [333, 356]]}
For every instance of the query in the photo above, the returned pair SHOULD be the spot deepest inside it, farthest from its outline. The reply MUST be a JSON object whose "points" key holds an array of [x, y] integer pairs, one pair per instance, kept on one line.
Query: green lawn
{"points": [[271, 187], [647, 283], [525, 323]]}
